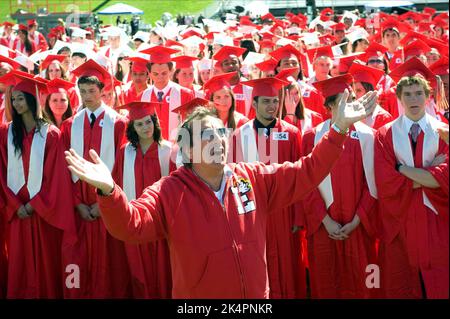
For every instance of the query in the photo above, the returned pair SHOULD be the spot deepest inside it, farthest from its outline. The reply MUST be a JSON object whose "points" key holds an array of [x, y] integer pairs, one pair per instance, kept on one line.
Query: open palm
{"points": [[351, 112], [95, 173]]}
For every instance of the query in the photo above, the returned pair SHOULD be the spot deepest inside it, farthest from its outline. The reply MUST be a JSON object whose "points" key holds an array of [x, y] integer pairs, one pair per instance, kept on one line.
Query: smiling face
{"points": [[54, 71], [144, 128], [266, 108], [186, 77], [19, 102], [413, 99], [58, 103], [222, 100]]}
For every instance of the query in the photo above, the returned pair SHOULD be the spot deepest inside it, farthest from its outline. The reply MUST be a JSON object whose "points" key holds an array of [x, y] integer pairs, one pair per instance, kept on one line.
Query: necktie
{"points": [[92, 119], [160, 95], [415, 129]]}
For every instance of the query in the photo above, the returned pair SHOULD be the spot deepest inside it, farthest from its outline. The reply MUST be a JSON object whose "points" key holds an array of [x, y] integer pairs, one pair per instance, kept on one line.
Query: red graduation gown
{"points": [[35, 244], [149, 263], [103, 264], [287, 276], [413, 238], [216, 252], [313, 99], [3, 260], [337, 268], [130, 94]]}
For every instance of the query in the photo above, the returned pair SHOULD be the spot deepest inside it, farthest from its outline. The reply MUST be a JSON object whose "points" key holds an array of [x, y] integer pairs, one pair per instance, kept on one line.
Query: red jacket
{"points": [[215, 251]]}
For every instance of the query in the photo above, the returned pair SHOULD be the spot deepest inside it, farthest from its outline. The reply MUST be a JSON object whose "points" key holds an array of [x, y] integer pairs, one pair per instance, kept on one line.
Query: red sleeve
{"points": [[117, 171], [120, 136], [300, 177], [366, 211], [439, 196]]}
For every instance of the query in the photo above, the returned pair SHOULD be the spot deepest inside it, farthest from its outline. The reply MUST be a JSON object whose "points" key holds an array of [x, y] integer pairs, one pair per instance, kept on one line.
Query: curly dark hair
{"points": [[18, 126], [133, 137]]}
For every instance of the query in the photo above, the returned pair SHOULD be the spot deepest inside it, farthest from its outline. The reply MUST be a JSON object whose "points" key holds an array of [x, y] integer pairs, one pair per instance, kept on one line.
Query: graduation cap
{"points": [[23, 27], [50, 59], [267, 65], [425, 27], [346, 61], [59, 86], [357, 34], [138, 64], [52, 35], [218, 82], [415, 48], [430, 11], [7, 24], [192, 32], [268, 16], [413, 67], [92, 68], [410, 15], [335, 85], [411, 36], [440, 67], [321, 51], [11, 62], [364, 73], [338, 27], [440, 46], [160, 54], [138, 110], [24, 82], [390, 23], [325, 14], [286, 52], [173, 43], [185, 109], [226, 51], [266, 86], [31, 22], [287, 75], [184, 61], [326, 38], [440, 23], [266, 44], [78, 32]]}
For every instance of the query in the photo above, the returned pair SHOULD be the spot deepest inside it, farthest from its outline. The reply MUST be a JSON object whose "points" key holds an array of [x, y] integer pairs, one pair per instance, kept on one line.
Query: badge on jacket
{"points": [[243, 190]]}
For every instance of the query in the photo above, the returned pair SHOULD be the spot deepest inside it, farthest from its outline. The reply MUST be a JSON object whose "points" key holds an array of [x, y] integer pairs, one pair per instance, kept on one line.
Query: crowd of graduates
{"points": [[270, 82]]}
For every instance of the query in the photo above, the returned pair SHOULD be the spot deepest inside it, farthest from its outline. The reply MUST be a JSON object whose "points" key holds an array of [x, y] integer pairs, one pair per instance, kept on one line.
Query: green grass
{"points": [[153, 9]]}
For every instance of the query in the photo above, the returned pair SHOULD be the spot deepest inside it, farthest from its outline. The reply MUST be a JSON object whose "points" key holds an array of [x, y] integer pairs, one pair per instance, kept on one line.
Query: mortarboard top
{"points": [[411, 36], [52, 35], [266, 86], [160, 54], [289, 15], [374, 49], [185, 109], [266, 44], [184, 61], [334, 85], [357, 34], [286, 52], [412, 67], [227, 51], [281, 42], [210, 35], [429, 10], [23, 27], [268, 16], [23, 82], [191, 32], [293, 37], [267, 35], [59, 86], [218, 82], [78, 32], [139, 64], [267, 65], [173, 43], [320, 51], [390, 23], [440, 23], [287, 75], [440, 46], [346, 61], [417, 47], [298, 21], [8, 24], [50, 59], [325, 14], [31, 22], [138, 110], [141, 35], [324, 39], [364, 73], [410, 15], [92, 68], [252, 58], [360, 23], [25, 61], [338, 27], [440, 67], [11, 62]]}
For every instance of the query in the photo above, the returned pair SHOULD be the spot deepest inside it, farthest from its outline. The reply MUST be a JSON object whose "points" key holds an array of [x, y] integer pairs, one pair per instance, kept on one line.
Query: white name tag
{"points": [[398, 60], [239, 97], [101, 123], [354, 135], [306, 94], [280, 136], [168, 99]]}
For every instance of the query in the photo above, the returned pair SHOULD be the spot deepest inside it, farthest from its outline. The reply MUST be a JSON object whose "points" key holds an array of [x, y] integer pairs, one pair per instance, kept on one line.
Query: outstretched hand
{"points": [[351, 112], [95, 173]]}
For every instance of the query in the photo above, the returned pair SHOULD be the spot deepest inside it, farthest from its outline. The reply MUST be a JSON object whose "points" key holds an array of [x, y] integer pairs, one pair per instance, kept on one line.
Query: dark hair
{"points": [[355, 44], [299, 108], [231, 122], [27, 42], [175, 75], [119, 73], [79, 54], [199, 113], [64, 49], [249, 45], [17, 122], [133, 137], [331, 100], [170, 65], [48, 113], [91, 80], [300, 73], [385, 63], [367, 86], [389, 29]]}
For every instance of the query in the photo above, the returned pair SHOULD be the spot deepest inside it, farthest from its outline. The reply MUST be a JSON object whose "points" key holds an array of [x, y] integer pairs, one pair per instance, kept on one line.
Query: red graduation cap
{"points": [[218, 82], [440, 23], [390, 23], [334, 85], [417, 47], [160, 54], [267, 35], [268, 16], [430, 11], [10, 61], [92, 68], [441, 46], [185, 109], [267, 65], [364, 73], [326, 38], [209, 35], [172, 43], [50, 58], [184, 61], [410, 15], [138, 110], [227, 51], [266, 44], [59, 86], [52, 35], [298, 21], [190, 33], [23, 27], [8, 24], [325, 14], [286, 73], [266, 86], [320, 51], [338, 27], [24, 82], [346, 61], [375, 49], [286, 52], [412, 67], [31, 22], [289, 15], [360, 23], [138, 64], [424, 27], [440, 67], [411, 36]]}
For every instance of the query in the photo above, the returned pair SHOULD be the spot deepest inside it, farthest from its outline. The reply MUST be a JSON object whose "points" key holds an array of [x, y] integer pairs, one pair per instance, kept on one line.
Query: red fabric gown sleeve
{"points": [[366, 211], [439, 196]]}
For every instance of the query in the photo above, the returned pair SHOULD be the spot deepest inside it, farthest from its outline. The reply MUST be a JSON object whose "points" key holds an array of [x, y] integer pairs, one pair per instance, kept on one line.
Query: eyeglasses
{"points": [[208, 134], [376, 61]]}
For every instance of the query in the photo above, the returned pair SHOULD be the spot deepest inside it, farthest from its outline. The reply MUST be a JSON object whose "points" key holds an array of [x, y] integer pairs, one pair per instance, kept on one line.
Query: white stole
{"points": [[107, 153], [15, 171], [129, 181], [403, 151], [174, 102], [248, 143], [307, 121], [247, 92], [325, 187]]}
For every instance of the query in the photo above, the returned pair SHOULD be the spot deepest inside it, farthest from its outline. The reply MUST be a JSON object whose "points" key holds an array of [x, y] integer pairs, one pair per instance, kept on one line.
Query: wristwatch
{"points": [[337, 129], [99, 192], [397, 166]]}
